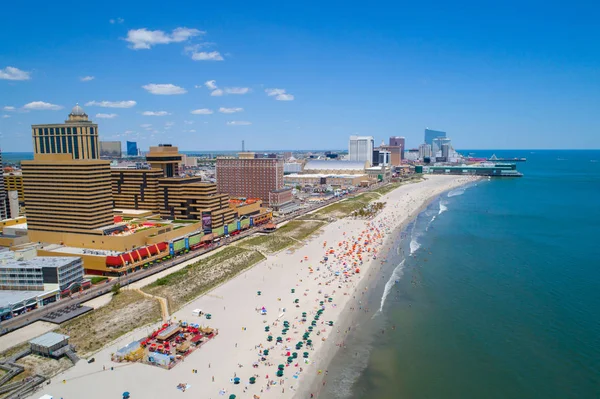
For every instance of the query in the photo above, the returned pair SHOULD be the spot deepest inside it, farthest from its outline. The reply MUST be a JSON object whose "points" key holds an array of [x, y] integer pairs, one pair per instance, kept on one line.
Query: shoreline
{"points": [[241, 328], [347, 318]]}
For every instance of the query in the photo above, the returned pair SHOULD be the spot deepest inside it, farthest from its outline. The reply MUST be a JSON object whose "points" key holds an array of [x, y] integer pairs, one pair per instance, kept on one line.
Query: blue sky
{"points": [[302, 75]]}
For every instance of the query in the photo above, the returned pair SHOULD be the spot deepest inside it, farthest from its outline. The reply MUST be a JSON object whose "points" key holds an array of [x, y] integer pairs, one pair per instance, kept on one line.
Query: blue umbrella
{"points": [[125, 395]]}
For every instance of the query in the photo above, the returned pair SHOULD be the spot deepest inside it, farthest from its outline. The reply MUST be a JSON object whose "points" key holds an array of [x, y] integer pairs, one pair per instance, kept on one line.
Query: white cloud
{"points": [[145, 39], [239, 123], [6, 116], [202, 111], [188, 122], [106, 116], [211, 84], [87, 78], [230, 110], [285, 97], [116, 21], [155, 113], [237, 90], [9, 108], [146, 125], [217, 93], [111, 104], [42, 106], [12, 73], [207, 56], [279, 94], [189, 131], [164, 89]]}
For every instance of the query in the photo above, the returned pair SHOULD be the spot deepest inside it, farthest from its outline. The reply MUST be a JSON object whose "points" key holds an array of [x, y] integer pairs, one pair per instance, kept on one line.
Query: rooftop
{"points": [[49, 339], [318, 175], [13, 297], [334, 165], [38, 262]]}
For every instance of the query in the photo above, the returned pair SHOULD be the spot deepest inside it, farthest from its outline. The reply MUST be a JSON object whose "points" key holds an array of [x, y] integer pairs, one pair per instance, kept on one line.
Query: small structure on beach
{"points": [[167, 346], [50, 344]]}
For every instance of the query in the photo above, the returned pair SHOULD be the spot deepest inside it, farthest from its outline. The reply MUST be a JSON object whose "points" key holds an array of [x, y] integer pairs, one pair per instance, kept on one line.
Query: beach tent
{"points": [[196, 312]]}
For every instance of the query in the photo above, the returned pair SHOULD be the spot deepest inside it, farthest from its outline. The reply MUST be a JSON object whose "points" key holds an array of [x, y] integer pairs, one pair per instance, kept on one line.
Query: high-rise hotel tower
{"points": [[67, 187]]}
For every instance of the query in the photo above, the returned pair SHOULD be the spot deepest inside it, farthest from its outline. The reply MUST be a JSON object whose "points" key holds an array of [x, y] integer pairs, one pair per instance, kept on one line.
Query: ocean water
{"points": [[493, 292]]}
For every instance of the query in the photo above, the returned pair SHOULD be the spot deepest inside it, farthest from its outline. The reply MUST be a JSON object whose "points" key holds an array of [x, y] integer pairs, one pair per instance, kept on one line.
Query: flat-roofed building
{"points": [[13, 182], [249, 177], [191, 198], [136, 189], [39, 273], [66, 195], [110, 149], [166, 158], [335, 167]]}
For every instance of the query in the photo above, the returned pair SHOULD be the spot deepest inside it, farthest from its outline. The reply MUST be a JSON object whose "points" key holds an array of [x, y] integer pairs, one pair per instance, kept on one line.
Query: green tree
{"points": [[116, 289]]}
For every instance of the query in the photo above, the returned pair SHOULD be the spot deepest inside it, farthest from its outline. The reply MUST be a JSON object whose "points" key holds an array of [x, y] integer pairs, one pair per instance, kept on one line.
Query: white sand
{"points": [[25, 334], [241, 328]]}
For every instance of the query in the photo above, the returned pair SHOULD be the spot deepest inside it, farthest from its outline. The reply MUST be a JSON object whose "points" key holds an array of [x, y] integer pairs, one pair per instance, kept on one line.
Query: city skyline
{"points": [[206, 77]]}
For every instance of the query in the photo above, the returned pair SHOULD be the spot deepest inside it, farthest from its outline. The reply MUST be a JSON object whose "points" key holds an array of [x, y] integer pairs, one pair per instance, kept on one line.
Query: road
{"points": [[101, 289]]}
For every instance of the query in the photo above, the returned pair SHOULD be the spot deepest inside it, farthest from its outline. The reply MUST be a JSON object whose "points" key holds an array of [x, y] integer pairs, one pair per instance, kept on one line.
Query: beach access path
{"points": [[234, 305]]}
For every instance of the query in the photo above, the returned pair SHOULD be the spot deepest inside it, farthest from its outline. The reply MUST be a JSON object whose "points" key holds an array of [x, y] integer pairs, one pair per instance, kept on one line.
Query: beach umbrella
{"points": [[296, 300], [270, 338], [303, 314], [125, 395], [232, 396], [281, 367], [279, 339], [330, 300], [267, 328], [313, 323], [331, 323], [309, 342], [280, 373], [236, 380], [294, 355], [252, 380], [293, 290], [305, 354], [266, 352], [290, 359]]}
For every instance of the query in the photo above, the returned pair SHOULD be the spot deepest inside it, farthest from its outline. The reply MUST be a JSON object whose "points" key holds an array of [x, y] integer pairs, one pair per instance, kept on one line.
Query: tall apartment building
{"points": [[425, 151], [246, 176], [360, 148], [165, 157], [397, 141], [3, 203], [13, 184], [132, 149], [191, 198], [110, 149], [136, 189], [431, 135], [77, 136], [67, 188]]}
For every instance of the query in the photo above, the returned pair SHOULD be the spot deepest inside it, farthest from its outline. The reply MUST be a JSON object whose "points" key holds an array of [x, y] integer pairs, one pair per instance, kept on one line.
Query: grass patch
{"points": [[284, 237], [98, 279], [387, 188], [343, 208], [192, 281], [125, 312], [185, 221]]}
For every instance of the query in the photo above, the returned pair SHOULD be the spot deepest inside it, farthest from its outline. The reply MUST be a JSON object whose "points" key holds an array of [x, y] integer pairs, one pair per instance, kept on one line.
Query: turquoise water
{"points": [[500, 299]]}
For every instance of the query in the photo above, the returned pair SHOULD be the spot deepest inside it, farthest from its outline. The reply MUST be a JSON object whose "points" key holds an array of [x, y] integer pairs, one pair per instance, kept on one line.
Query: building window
{"points": [[76, 145], [93, 145]]}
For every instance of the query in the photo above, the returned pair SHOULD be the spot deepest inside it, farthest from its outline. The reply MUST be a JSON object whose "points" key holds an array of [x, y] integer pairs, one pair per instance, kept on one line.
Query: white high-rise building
{"points": [[3, 213], [360, 149], [424, 151]]}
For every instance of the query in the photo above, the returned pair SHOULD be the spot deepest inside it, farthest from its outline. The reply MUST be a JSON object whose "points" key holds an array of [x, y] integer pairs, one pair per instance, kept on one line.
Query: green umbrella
{"points": [[266, 352], [293, 290], [305, 355], [279, 339], [290, 359], [258, 292], [309, 342], [280, 373], [232, 396], [294, 355], [267, 328], [252, 380], [281, 367], [270, 338]]}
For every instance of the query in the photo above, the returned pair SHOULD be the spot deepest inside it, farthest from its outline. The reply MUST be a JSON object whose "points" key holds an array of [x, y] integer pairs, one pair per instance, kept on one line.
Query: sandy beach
{"points": [[349, 244]]}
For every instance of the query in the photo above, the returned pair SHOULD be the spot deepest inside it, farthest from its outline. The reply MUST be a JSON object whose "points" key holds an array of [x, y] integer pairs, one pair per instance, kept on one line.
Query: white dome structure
{"points": [[77, 111]]}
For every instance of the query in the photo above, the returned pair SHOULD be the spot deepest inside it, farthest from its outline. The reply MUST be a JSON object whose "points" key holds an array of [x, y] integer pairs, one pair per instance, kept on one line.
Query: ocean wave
{"points": [[396, 274], [443, 207], [414, 246], [458, 191]]}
